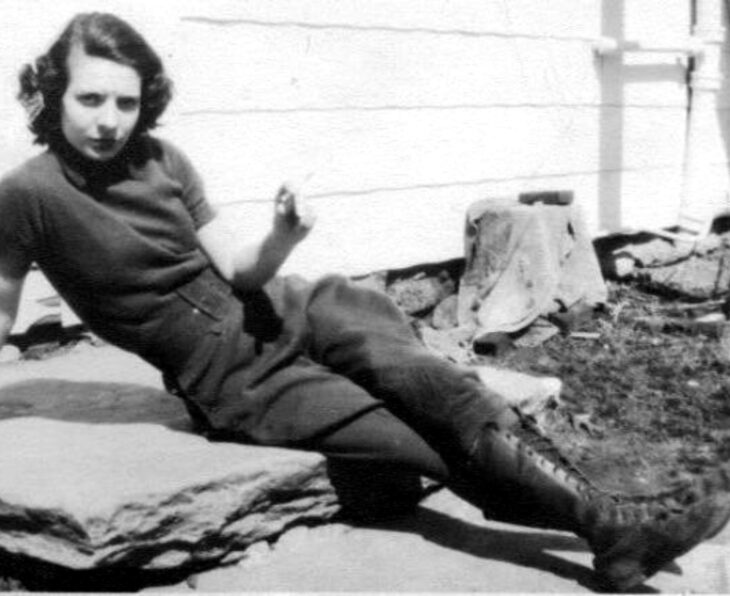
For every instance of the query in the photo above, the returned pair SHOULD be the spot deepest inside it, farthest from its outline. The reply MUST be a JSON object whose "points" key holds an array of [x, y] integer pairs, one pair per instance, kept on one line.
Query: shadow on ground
{"points": [[521, 548], [94, 402]]}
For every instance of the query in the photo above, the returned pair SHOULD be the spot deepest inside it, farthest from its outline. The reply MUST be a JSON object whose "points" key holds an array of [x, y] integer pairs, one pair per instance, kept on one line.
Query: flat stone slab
{"points": [[142, 496]]}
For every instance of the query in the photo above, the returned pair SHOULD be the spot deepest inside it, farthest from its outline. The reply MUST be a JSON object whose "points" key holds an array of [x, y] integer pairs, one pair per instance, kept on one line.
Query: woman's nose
{"points": [[108, 118]]}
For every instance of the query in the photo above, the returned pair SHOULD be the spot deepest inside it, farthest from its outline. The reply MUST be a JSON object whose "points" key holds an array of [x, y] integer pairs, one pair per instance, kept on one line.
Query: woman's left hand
{"points": [[293, 216]]}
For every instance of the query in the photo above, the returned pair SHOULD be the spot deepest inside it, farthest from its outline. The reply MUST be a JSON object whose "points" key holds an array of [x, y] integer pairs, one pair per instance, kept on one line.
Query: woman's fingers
{"points": [[285, 202], [293, 205], [293, 217]]}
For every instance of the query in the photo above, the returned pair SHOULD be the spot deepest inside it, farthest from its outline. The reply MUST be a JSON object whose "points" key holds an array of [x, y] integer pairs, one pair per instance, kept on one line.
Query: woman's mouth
{"points": [[104, 145]]}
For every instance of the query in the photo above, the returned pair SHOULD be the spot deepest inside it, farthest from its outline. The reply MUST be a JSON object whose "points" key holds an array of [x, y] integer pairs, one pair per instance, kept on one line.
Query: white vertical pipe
{"points": [[706, 182]]}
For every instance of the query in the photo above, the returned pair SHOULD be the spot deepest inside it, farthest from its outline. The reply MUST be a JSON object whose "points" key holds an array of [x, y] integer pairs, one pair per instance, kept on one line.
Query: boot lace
{"points": [[534, 442]]}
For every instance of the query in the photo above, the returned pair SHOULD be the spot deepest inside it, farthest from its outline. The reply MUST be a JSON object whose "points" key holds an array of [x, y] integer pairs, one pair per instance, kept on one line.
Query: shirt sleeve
{"points": [[193, 193], [19, 223]]}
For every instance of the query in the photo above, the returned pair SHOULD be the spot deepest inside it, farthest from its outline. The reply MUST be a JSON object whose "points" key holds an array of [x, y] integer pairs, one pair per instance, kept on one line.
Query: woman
{"points": [[119, 222]]}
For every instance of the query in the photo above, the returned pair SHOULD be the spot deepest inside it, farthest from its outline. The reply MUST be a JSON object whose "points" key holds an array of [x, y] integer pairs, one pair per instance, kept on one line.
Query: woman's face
{"points": [[101, 105]]}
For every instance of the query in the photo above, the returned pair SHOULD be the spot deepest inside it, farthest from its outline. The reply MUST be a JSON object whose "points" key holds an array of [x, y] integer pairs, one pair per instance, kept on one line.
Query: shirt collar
{"points": [[83, 172]]}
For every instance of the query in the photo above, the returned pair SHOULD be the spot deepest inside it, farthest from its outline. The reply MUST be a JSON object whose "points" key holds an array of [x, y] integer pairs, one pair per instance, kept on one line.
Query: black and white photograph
{"points": [[376, 296]]}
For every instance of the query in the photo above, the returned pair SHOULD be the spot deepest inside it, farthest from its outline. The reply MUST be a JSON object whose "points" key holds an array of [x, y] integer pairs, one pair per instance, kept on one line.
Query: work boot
{"points": [[524, 479]]}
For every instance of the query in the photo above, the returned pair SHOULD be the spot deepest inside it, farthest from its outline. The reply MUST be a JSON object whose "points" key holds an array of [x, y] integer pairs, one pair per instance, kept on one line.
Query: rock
{"points": [[697, 278], [654, 324], [708, 244], [590, 335], [105, 486], [695, 269], [373, 281], [618, 266], [724, 344], [9, 353], [573, 318], [421, 293], [453, 344], [658, 252], [493, 343], [142, 496], [537, 334], [180, 588], [548, 197], [711, 325], [533, 394], [445, 315], [711, 318]]}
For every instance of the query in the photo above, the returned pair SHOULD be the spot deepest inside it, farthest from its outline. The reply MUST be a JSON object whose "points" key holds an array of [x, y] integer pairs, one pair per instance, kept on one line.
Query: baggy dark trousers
{"points": [[327, 366]]}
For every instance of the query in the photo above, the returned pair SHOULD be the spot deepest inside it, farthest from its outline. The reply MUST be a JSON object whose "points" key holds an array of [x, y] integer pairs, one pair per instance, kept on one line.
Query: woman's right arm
{"points": [[248, 263], [12, 276]]}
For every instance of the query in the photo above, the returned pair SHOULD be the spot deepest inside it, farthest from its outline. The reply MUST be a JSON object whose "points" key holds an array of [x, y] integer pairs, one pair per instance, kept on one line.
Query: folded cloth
{"points": [[524, 261]]}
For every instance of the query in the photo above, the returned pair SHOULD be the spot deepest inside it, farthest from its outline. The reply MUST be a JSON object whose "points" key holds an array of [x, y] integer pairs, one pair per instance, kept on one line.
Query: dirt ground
{"points": [[645, 405]]}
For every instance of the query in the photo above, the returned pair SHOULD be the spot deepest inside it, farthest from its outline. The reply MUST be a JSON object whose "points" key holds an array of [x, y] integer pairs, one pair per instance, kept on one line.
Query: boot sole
{"points": [[624, 576], [718, 526]]}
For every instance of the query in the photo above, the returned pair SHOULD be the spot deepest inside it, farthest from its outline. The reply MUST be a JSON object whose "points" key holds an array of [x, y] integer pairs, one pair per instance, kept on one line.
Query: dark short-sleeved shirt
{"points": [[119, 243], [115, 239]]}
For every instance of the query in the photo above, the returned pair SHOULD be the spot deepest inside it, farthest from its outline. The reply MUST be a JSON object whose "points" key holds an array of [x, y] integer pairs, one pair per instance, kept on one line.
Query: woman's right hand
{"points": [[293, 216]]}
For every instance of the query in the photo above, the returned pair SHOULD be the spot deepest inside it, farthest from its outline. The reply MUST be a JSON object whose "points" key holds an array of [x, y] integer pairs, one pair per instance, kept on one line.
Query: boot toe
{"points": [[627, 556]]}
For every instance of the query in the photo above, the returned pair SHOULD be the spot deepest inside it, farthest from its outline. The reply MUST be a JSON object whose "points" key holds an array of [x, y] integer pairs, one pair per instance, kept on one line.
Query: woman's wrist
{"points": [[282, 238]]}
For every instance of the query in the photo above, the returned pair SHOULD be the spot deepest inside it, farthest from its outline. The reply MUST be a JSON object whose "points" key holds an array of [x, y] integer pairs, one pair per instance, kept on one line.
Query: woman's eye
{"points": [[90, 99], [128, 104]]}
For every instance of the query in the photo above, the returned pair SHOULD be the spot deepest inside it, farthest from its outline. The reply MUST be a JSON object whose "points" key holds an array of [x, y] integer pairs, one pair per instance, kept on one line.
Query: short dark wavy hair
{"points": [[105, 36]]}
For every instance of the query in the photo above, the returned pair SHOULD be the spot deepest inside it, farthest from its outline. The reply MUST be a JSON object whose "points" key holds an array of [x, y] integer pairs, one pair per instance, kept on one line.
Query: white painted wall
{"points": [[405, 112]]}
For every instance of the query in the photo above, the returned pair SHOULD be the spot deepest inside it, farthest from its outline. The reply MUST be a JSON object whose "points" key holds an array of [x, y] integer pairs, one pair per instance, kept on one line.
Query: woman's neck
{"points": [[94, 169]]}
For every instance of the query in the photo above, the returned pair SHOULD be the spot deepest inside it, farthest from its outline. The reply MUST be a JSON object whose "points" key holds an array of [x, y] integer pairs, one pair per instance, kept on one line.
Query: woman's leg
{"points": [[510, 468], [375, 461], [376, 464], [363, 336], [380, 437], [304, 405]]}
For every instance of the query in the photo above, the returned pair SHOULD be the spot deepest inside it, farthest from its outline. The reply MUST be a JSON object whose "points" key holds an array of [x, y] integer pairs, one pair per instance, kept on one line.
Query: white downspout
{"points": [[706, 180]]}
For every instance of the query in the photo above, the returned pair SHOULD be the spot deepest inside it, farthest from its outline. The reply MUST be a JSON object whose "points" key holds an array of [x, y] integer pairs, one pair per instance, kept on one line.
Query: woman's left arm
{"points": [[247, 264]]}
